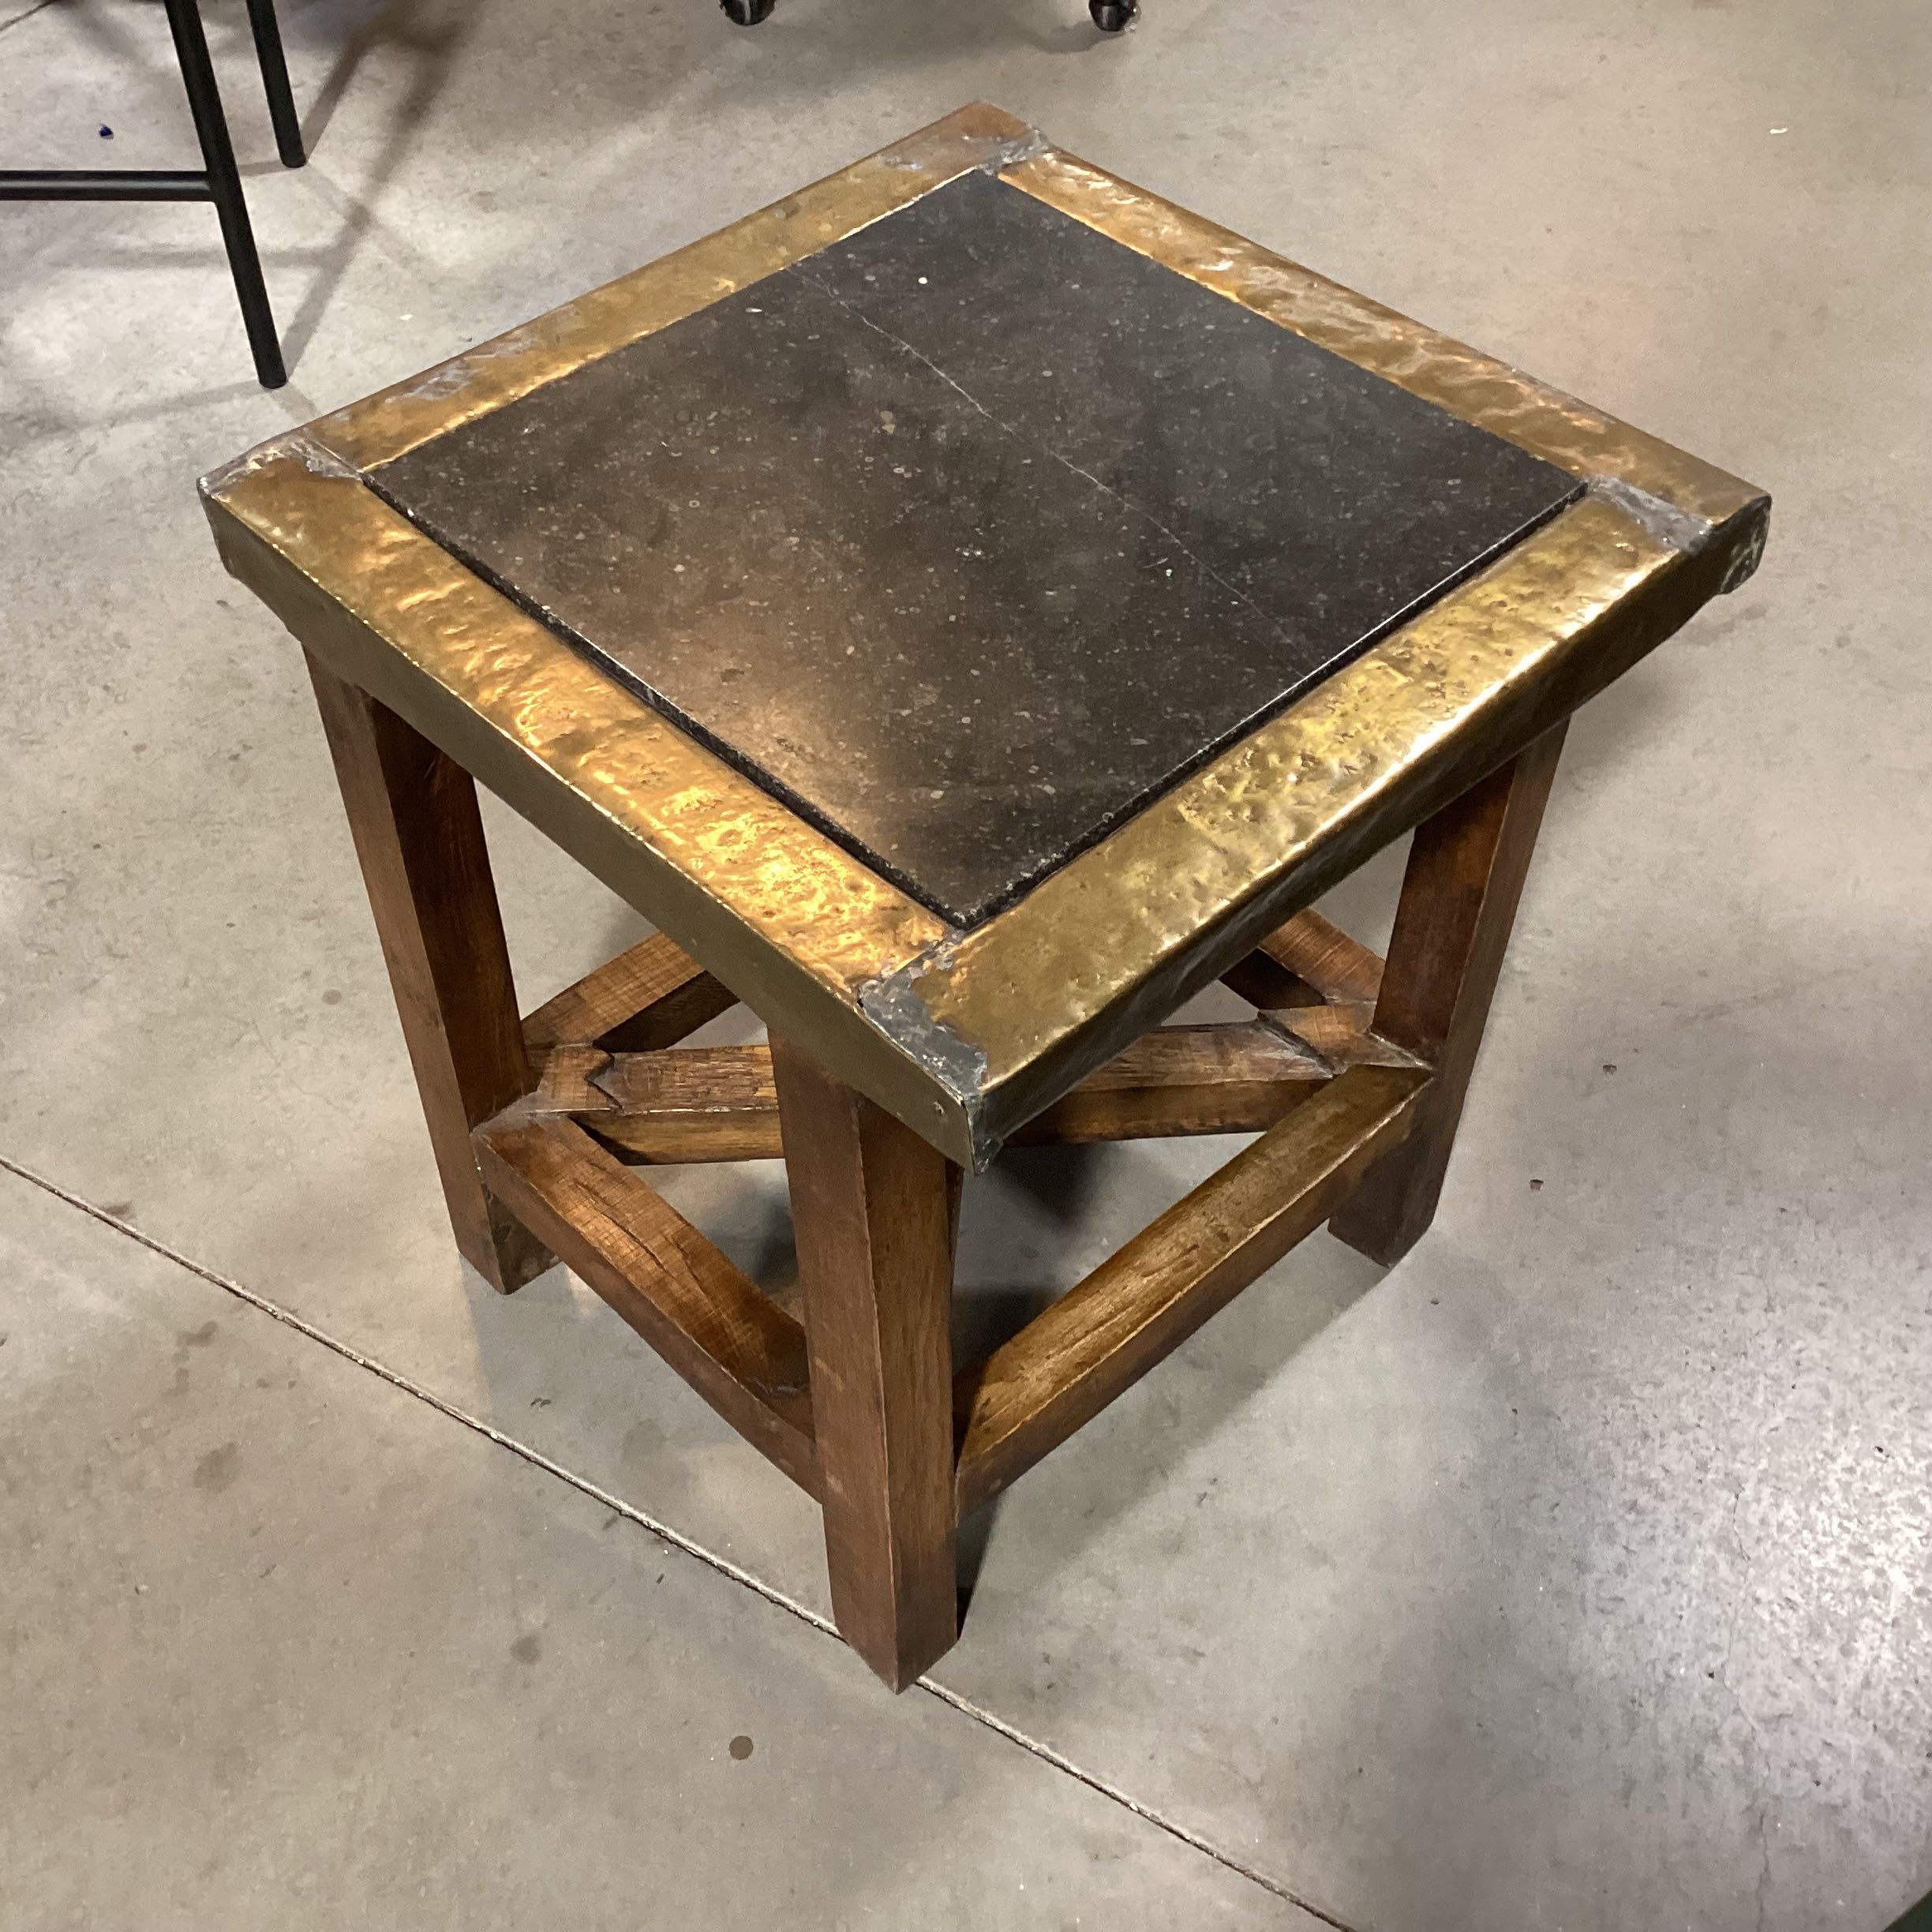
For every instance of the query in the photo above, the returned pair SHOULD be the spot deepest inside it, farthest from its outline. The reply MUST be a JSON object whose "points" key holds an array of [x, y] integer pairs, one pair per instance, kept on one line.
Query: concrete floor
{"points": [[1573, 1574]]}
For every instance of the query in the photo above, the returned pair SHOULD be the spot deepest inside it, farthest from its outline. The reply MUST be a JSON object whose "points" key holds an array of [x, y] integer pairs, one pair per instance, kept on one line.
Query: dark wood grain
{"points": [[1238, 1078], [1307, 959], [1459, 895], [872, 1213], [1100, 1337], [735, 1345], [412, 813], [693, 1103], [1263, 982], [720, 1103], [651, 996]]}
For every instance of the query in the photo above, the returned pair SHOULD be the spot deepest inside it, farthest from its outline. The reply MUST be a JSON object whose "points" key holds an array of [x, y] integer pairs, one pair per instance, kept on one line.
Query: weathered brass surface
{"points": [[790, 921], [1476, 386], [396, 419], [966, 1038], [972, 533], [1112, 942]]}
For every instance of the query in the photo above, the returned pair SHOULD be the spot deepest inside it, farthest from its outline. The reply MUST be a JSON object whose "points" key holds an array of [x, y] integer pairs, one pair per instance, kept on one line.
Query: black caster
{"points": [[746, 12], [1111, 16]]}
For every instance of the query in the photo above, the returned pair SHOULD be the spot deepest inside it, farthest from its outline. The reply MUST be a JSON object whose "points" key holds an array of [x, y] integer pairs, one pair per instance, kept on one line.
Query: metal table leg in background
{"points": [[267, 32], [218, 180], [225, 186], [1109, 16]]}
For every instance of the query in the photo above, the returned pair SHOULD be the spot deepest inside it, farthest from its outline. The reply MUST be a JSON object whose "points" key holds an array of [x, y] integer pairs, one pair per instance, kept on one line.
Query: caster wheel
{"points": [[746, 12], [1111, 16]]}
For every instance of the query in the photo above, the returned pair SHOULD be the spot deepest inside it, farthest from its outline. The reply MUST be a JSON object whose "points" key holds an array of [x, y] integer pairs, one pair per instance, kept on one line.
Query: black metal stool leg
{"points": [[267, 32], [225, 188]]}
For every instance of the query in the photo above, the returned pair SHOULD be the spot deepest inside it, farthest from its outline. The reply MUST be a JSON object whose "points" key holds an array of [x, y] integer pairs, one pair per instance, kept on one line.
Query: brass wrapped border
{"points": [[966, 1036]]}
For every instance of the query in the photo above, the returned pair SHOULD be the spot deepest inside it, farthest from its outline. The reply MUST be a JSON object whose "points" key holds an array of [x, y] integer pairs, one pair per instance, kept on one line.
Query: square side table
{"points": [[968, 607]]}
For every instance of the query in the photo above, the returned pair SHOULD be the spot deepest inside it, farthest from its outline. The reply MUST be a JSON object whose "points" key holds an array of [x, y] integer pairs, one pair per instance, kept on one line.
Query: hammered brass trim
{"points": [[1478, 388], [396, 420], [966, 1037], [1110, 945], [790, 921]]}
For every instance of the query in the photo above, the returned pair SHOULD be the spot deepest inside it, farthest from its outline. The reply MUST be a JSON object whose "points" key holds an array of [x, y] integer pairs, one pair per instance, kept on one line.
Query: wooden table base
{"points": [[1353, 1075]]}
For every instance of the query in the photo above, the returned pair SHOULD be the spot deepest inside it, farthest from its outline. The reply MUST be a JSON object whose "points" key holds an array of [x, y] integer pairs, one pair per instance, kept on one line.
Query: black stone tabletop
{"points": [[974, 532]]}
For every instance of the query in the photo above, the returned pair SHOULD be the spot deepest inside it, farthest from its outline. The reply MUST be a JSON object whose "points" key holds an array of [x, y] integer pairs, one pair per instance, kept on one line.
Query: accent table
{"points": [[967, 607]]}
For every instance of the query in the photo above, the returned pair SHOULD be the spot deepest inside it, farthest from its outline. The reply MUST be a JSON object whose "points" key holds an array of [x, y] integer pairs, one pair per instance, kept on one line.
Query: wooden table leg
{"points": [[872, 1208], [413, 813], [1452, 927]]}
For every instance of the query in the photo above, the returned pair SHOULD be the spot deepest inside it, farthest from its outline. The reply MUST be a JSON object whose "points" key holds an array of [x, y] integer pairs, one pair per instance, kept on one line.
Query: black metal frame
{"points": [[218, 180], [1109, 16]]}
